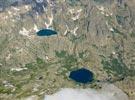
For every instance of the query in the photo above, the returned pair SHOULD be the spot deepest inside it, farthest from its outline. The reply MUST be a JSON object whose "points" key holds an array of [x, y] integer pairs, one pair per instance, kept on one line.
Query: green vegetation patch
{"points": [[5, 90], [132, 34], [67, 61], [61, 54], [117, 67]]}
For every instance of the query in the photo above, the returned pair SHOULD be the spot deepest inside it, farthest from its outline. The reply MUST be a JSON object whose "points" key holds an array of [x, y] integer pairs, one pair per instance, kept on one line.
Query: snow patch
{"points": [[18, 69], [24, 32]]}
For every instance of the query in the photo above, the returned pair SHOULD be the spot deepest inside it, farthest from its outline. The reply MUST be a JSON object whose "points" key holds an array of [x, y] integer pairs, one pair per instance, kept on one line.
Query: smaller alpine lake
{"points": [[46, 32]]}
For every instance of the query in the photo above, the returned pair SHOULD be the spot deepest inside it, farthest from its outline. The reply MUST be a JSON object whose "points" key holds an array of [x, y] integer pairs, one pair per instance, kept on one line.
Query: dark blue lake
{"points": [[46, 32], [81, 75]]}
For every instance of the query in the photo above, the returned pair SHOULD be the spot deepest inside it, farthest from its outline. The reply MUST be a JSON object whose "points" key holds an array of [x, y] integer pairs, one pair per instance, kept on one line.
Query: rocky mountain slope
{"points": [[96, 34]]}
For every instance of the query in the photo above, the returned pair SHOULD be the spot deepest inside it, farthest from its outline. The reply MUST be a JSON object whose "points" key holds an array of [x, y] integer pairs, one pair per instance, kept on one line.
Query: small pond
{"points": [[46, 32], [82, 75]]}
